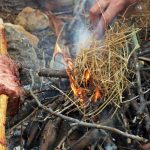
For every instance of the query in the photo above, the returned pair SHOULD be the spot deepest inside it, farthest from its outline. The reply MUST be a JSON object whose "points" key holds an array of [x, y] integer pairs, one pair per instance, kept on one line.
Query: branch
{"points": [[53, 73]]}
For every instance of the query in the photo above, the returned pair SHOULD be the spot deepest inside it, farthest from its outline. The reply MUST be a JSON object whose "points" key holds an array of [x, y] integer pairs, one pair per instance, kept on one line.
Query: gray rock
{"points": [[23, 52]]}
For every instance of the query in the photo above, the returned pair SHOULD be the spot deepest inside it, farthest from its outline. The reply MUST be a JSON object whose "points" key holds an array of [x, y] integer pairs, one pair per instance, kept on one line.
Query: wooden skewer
{"points": [[3, 108], [3, 98], [3, 43]]}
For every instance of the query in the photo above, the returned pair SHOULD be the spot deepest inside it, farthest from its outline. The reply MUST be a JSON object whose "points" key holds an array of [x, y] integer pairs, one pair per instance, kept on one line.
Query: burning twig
{"points": [[57, 23]]}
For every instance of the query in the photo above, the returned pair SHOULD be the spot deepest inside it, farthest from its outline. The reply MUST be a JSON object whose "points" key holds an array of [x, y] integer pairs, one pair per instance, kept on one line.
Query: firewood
{"points": [[53, 73], [32, 134], [34, 130], [49, 135], [89, 138]]}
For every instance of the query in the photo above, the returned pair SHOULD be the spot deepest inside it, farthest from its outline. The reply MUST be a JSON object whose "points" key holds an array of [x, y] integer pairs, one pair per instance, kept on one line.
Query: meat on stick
{"points": [[10, 89]]}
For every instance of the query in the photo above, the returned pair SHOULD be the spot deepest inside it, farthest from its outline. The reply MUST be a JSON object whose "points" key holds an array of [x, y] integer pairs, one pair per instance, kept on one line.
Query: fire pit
{"points": [[80, 93]]}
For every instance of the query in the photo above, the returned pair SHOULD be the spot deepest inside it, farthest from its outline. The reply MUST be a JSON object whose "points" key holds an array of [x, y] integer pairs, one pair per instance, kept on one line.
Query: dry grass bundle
{"points": [[106, 65]]}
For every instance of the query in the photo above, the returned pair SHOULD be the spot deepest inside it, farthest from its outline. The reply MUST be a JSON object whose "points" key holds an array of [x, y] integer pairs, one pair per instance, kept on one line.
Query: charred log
{"points": [[53, 73], [49, 134]]}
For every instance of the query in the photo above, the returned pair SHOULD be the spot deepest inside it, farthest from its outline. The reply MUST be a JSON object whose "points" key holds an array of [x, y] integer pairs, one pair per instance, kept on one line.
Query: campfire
{"points": [[99, 74], [73, 90]]}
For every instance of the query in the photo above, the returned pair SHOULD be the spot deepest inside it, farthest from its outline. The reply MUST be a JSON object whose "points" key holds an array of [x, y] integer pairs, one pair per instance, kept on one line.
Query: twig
{"points": [[53, 73], [82, 123], [142, 107], [140, 92], [144, 58], [144, 69], [145, 52], [23, 120]]}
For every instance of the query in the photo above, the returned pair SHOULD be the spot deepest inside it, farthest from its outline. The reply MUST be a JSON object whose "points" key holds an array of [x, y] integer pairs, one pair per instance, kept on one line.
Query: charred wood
{"points": [[144, 69], [66, 136], [49, 134], [53, 73], [34, 129], [89, 139], [31, 134]]}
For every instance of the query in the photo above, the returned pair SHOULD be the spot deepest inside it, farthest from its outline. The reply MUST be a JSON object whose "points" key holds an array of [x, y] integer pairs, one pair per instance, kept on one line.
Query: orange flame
{"points": [[87, 76], [79, 92], [96, 95], [70, 65]]}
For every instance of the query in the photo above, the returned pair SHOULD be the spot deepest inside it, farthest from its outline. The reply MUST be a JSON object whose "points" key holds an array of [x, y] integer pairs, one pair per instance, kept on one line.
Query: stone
{"points": [[33, 40], [21, 50], [32, 19]]}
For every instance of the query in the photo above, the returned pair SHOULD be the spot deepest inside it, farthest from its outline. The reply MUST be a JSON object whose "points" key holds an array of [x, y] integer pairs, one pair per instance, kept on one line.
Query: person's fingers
{"points": [[110, 13], [97, 10], [99, 6], [114, 8]]}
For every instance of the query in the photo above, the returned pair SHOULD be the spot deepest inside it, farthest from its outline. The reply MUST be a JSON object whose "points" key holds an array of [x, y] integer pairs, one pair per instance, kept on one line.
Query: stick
{"points": [[3, 107], [142, 108], [3, 98], [3, 43], [53, 73]]}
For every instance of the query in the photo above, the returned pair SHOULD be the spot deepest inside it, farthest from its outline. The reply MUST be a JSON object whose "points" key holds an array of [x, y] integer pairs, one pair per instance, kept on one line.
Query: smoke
{"points": [[79, 33], [83, 31], [81, 36], [80, 25]]}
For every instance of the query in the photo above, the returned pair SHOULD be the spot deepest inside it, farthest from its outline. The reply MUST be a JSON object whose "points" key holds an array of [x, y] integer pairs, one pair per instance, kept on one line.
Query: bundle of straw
{"points": [[107, 61]]}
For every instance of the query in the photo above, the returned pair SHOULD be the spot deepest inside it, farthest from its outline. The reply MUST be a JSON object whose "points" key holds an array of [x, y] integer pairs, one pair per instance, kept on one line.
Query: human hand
{"points": [[104, 11]]}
